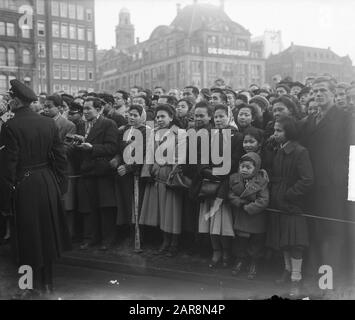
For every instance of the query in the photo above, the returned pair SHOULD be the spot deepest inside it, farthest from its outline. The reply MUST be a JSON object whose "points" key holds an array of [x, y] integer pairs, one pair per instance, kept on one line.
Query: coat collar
{"points": [[289, 147], [95, 129]]}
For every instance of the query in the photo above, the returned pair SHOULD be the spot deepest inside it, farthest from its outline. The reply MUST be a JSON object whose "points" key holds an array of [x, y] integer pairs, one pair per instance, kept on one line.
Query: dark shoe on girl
{"points": [[237, 267], [252, 271]]}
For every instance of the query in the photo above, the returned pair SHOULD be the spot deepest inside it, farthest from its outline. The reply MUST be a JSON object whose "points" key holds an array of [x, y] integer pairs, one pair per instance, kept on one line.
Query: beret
{"points": [[21, 91]]}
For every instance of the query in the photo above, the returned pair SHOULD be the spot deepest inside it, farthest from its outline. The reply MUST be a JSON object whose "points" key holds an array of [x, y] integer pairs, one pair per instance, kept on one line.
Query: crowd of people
{"points": [[285, 192]]}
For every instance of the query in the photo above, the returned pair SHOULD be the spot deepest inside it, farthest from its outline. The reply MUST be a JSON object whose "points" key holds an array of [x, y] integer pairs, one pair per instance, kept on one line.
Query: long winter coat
{"points": [[162, 206], [32, 151], [124, 185], [328, 146], [96, 188], [291, 179]]}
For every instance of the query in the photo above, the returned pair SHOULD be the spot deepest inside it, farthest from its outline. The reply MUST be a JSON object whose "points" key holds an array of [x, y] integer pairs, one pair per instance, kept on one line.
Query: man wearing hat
{"points": [[32, 180]]}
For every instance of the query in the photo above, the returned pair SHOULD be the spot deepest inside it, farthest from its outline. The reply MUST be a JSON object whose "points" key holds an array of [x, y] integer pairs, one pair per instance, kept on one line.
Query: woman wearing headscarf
{"points": [[162, 206], [215, 216], [124, 181]]}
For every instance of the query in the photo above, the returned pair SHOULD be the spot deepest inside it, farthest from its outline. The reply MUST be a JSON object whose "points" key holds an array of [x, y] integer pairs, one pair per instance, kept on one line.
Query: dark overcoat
{"points": [[96, 186], [125, 184], [291, 179], [204, 171], [32, 152], [328, 144]]}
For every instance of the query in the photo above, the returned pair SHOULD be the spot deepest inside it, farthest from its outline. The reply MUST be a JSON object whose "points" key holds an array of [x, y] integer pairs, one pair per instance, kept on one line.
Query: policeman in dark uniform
{"points": [[32, 179]]}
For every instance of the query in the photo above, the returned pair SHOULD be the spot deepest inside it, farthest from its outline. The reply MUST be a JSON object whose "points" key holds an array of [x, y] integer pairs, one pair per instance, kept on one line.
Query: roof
{"points": [[201, 17]]}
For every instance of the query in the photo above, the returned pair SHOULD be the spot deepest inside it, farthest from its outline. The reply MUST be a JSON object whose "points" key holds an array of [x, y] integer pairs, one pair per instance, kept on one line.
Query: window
{"points": [[41, 49], [72, 11], [72, 31], [55, 8], [26, 57], [56, 87], [56, 71], [65, 71], [89, 14], [90, 74], [2, 56], [41, 28], [81, 33], [55, 29], [90, 55], [40, 6], [81, 53], [25, 32], [2, 29], [64, 30], [42, 70], [11, 58], [73, 72], [10, 29], [80, 12], [65, 51], [212, 40], [73, 52], [65, 88], [3, 83], [196, 66], [90, 35], [63, 9], [82, 73], [73, 91], [56, 51]]}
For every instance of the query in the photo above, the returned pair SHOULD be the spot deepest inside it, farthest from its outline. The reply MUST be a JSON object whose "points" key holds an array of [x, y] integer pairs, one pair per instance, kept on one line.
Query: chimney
{"points": [[137, 40], [178, 8], [221, 5]]}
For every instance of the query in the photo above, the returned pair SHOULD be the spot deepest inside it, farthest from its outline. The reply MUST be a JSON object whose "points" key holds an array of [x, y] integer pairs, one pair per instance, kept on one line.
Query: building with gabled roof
{"points": [[300, 62], [200, 45]]}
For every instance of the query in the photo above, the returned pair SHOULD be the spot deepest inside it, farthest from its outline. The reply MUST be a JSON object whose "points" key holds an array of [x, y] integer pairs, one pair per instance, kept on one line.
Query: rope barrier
{"points": [[308, 215]]}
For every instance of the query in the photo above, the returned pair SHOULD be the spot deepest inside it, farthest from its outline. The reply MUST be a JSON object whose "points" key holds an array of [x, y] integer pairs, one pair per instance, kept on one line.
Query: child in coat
{"points": [[249, 196], [291, 177]]}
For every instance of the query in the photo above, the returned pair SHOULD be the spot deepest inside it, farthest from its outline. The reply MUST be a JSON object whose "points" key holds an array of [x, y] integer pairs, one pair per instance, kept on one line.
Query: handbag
{"points": [[177, 180], [208, 188]]}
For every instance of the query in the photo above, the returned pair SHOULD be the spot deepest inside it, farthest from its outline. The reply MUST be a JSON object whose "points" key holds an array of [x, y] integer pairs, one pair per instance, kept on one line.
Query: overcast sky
{"points": [[318, 23]]}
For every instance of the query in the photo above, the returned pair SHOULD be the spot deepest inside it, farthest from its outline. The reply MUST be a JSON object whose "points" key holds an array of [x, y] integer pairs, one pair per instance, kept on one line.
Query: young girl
{"points": [[249, 196], [291, 177], [215, 215], [183, 113], [245, 117], [253, 140]]}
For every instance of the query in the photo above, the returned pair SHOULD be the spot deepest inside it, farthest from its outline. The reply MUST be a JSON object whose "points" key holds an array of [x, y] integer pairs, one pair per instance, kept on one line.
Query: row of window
{"points": [[65, 9], [73, 90], [66, 51], [8, 57], [72, 72], [5, 82], [8, 29], [8, 4], [65, 31], [320, 55]]}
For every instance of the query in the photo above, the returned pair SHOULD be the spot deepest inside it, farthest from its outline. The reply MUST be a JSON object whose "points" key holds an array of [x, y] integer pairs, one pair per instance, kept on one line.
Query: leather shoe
{"points": [[252, 271], [237, 268]]}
